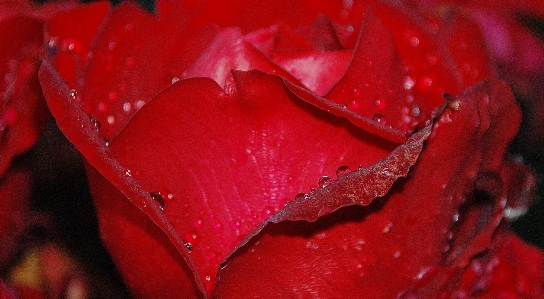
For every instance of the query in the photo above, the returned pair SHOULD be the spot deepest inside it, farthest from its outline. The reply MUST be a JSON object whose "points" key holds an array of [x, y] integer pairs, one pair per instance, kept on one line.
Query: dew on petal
{"points": [[379, 118], [414, 41], [267, 212], [324, 181], [415, 111], [356, 93], [353, 105], [127, 106], [192, 237], [189, 246], [96, 124], [408, 83], [300, 196], [139, 104], [197, 223], [379, 103], [73, 95], [111, 119], [387, 228], [342, 170], [157, 196]]}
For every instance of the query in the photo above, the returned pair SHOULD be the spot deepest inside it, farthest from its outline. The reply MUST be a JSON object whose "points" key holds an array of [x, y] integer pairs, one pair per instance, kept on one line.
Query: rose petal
{"points": [[79, 129], [14, 197], [374, 83], [379, 249], [69, 35]]}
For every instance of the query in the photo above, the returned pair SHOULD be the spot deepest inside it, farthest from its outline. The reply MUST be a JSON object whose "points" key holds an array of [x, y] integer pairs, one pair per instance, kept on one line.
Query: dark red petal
{"points": [[14, 196], [81, 131], [22, 109], [511, 269], [379, 250], [149, 264], [253, 160]]}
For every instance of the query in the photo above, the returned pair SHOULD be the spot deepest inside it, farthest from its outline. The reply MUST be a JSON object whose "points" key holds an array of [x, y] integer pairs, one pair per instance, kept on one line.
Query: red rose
{"points": [[201, 124]]}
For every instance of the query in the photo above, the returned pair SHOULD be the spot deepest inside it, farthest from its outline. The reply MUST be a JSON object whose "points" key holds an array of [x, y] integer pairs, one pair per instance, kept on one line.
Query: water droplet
{"points": [[111, 45], [189, 246], [267, 212], [455, 217], [139, 104], [217, 226], [175, 79], [353, 105], [396, 254], [379, 103], [414, 41], [95, 123], [73, 95], [387, 228], [324, 181], [192, 237], [386, 172], [157, 196], [360, 167], [356, 92], [379, 118], [408, 83], [170, 196], [415, 111], [111, 119], [424, 83], [197, 223], [128, 173], [127, 106], [340, 171], [300, 196]]}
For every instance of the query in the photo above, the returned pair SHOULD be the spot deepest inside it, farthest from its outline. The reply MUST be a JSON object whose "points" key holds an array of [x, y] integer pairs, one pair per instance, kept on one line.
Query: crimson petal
{"points": [[80, 130], [22, 109], [382, 249]]}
